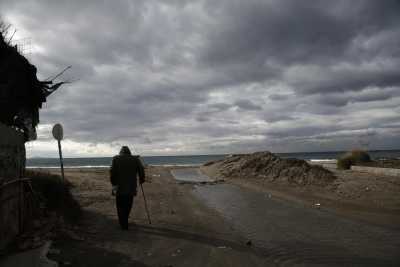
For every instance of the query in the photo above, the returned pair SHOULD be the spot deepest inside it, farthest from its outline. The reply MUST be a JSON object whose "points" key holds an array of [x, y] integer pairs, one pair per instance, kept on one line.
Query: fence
{"points": [[17, 207], [12, 165]]}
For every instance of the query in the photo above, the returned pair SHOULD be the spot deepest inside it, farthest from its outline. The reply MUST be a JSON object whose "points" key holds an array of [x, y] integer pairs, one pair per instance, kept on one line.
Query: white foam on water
{"points": [[68, 167], [190, 175]]}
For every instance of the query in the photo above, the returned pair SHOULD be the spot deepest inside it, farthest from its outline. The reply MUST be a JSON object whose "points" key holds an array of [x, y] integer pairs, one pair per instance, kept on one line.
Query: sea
{"points": [[192, 160]]}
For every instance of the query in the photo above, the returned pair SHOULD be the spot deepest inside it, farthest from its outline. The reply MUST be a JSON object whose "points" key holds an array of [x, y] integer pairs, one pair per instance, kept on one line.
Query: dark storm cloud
{"points": [[261, 34], [247, 105], [219, 106], [367, 95], [278, 117], [218, 76], [349, 80]]}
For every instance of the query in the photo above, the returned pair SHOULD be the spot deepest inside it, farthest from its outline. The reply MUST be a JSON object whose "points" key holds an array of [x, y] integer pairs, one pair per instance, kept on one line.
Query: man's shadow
{"points": [[161, 229]]}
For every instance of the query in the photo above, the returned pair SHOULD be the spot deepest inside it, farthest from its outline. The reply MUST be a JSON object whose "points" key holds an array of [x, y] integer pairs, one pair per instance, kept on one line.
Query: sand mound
{"points": [[265, 165]]}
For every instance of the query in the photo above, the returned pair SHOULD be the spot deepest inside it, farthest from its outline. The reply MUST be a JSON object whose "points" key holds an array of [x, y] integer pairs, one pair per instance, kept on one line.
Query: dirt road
{"points": [[215, 225]]}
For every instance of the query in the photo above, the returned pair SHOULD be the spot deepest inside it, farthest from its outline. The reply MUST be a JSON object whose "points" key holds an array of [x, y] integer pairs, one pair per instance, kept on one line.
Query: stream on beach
{"points": [[294, 234]]}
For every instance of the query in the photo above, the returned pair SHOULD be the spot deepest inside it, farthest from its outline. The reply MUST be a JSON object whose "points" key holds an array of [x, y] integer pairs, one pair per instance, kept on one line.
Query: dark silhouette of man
{"points": [[123, 175]]}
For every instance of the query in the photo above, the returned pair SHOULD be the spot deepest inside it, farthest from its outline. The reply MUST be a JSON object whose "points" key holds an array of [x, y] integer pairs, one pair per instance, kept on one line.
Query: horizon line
{"points": [[220, 154]]}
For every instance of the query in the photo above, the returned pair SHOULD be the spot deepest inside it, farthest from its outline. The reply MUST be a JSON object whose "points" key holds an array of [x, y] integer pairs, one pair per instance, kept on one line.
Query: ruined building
{"points": [[21, 93], [21, 97]]}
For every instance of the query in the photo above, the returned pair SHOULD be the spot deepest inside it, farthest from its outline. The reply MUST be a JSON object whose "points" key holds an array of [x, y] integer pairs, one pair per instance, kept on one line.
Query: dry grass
{"points": [[55, 194]]}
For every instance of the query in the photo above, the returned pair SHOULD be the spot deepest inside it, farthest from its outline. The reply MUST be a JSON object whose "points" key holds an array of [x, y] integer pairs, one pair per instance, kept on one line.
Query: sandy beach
{"points": [[183, 232], [234, 223]]}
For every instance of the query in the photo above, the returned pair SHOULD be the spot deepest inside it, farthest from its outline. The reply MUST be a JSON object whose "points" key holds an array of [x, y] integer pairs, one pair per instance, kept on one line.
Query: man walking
{"points": [[123, 175]]}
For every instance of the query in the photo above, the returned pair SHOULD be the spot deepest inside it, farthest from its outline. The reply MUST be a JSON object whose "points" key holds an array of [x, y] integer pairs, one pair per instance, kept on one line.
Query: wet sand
{"points": [[216, 225]]}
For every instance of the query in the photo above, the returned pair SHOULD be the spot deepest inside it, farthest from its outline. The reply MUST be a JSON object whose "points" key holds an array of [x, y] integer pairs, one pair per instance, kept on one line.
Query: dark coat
{"points": [[123, 173]]}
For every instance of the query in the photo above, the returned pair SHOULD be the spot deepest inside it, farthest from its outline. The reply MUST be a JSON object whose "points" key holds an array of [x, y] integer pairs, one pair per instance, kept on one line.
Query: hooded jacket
{"points": [[124, 171]]}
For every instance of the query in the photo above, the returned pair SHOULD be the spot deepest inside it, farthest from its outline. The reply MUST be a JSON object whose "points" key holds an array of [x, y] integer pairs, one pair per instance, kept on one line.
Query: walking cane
{"points": [[145, 204]]}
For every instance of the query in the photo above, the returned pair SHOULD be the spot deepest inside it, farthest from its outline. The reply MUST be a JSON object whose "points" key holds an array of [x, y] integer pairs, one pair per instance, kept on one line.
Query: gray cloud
{"points": [[278, 117], [367, 95], [278, 97], [178, 77], [247, 105]]}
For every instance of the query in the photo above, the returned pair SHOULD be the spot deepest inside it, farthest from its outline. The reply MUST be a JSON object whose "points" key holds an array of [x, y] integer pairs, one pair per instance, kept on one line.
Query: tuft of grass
{"points": [[351, 158], [55, 194]]}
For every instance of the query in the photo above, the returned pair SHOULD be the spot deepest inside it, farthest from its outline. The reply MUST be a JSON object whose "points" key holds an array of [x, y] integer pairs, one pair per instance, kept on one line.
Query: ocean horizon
{"points": [[189, 160]]}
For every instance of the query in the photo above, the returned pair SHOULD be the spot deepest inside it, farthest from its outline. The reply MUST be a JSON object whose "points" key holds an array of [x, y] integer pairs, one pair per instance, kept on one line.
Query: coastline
{"points": [[193, 160], [312, 161], [107, 166]]}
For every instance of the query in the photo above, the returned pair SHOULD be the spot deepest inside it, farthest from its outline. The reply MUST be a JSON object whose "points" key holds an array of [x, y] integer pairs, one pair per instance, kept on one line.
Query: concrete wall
{"points": [[379, 171], [12, 165]]}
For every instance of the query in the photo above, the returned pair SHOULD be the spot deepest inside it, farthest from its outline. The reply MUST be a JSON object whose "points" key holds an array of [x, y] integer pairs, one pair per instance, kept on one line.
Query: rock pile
{"points": [[267, 166]]}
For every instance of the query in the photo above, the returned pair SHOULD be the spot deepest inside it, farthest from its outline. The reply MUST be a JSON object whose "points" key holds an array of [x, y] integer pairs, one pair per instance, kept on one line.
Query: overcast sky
{"points": [[218, 76]]}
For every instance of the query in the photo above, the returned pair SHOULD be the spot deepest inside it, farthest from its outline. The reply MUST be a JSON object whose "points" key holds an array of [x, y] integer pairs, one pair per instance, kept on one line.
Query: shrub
{"points": [[344, 162], [351, 158], [55, 194]]}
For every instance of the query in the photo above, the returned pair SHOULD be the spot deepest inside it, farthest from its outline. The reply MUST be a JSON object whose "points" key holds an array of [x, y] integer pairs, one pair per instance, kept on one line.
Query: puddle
{"points": [[191, 175], [291, 234]]}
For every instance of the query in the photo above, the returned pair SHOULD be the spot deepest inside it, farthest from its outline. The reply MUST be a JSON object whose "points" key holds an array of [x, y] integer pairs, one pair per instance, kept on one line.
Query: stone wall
{"points": [[12, 165]]}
